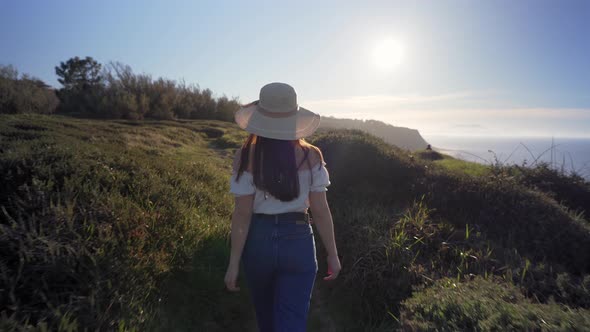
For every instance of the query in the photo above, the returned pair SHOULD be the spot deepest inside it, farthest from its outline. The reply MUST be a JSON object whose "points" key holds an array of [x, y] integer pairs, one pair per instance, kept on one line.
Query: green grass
{"points": [[484, 305], [196, 299], [405, 223], [98, 215], [463, 167], [122, 225], [453, 165]]}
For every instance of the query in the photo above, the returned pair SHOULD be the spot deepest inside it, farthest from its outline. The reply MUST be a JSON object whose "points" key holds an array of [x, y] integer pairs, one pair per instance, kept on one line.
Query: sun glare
{"points": [[388, 54]]}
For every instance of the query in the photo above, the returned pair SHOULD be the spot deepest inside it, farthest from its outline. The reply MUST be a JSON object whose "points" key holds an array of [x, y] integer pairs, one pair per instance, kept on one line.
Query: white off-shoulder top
{"points": [[267, 204]]}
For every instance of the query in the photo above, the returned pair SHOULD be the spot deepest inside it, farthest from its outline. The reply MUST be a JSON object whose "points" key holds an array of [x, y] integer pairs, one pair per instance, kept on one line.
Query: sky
{"points": [[461, 68]]}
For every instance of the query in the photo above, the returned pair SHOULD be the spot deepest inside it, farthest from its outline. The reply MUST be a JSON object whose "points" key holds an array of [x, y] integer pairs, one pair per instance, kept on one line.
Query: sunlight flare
{"points": [[388, 54]]}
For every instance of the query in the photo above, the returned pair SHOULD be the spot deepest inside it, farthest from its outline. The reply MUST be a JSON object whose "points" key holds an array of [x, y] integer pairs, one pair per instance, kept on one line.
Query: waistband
{"points": [[281, 218]]}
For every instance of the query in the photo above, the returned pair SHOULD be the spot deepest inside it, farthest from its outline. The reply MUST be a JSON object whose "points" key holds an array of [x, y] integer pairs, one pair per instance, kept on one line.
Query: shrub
{"points": [[430, 155], [166, 99], [102, 212], [117, 92], [95, 215], [571, 190], [484, 305], [401, 223], [363, 166], [120, 104], [226, 109], [385, 255], [514, 216], [24, 94]]}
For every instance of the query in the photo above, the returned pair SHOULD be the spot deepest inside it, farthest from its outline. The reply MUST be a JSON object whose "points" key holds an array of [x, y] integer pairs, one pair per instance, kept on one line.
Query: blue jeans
{"points": [[280, 265]]}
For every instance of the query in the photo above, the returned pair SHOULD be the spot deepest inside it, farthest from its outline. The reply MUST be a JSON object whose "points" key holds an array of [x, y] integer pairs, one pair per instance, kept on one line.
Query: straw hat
{"points": [[277, 115]]}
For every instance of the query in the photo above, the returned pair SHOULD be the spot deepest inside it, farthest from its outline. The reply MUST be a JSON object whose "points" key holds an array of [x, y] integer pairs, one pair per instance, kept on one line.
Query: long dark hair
{"points": [[274, 165]]}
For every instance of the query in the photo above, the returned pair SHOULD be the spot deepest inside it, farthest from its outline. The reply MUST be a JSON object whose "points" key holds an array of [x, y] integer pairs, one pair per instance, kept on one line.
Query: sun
{"points": [[388, 54]]}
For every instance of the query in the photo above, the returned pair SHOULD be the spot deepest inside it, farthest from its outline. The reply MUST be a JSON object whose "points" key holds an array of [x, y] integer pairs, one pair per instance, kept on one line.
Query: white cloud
{"points": [[384, 101], [441, 113]]}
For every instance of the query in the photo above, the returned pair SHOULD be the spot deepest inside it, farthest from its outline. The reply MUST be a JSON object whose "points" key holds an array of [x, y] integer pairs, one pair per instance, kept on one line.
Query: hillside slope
{"points": [[122, 224], [402, 137], [404, 223], [97, 218]]}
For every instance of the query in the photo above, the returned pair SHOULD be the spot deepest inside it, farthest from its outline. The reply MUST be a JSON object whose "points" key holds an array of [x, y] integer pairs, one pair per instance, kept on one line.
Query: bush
{"points": [[401, 223], [571, 190], [25, 94], [389, 255], [483, 305], [514, 216], [363, 166], [115, 92], [119, 93], [226, 109], [430, 155], [120, 104], [95, 215], [511, 214]]}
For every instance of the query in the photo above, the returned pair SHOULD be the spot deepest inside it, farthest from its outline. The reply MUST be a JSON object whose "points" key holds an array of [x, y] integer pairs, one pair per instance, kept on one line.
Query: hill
{"points": [[406, 223], [404, 138], [123, 225], [98, 217]]}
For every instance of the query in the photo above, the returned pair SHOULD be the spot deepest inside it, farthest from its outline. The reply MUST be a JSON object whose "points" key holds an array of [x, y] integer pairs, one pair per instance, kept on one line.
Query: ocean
{"points": [[569, 154]]}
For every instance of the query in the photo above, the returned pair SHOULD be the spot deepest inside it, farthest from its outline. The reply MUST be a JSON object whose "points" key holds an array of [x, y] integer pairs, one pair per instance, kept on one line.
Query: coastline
{"points": [[567, 154]]}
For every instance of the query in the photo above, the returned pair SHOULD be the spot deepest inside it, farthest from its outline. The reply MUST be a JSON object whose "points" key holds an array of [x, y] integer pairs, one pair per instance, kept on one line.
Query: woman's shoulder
{"points": [[307, 156], [238, 160], [312, 153]]}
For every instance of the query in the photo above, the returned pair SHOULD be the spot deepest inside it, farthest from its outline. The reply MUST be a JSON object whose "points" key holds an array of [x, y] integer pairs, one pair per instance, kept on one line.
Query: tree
{"points": [[83, 86], [8, 72], [26, 94], [79, 74], [226, 108], [205, 109]]}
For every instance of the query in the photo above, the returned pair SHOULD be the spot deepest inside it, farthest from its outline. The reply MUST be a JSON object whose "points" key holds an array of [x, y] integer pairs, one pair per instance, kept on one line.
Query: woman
{"points": [[276, 177]]}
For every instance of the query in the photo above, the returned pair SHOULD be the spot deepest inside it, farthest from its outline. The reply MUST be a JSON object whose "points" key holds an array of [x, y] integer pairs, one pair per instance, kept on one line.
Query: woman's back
{"points": [[276, 177], [312, 176]]}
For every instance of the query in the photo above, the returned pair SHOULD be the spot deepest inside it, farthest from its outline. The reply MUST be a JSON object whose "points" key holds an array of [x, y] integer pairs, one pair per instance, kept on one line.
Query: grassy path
{"points": [[320, 318], [190, 293]]}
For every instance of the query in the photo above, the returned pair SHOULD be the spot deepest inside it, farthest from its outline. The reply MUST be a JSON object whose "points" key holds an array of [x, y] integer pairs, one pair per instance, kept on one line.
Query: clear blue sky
{"points": [[457, 67]]}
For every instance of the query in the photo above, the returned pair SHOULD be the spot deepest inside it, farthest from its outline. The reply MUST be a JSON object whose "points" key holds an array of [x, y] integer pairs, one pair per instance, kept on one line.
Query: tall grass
{"points": [[94, 217], [122, 225], [404, 223], [484, 305]]}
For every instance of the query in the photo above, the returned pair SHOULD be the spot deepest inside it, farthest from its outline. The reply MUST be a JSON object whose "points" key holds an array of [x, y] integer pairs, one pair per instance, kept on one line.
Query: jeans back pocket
{"points": [[297, 231]]}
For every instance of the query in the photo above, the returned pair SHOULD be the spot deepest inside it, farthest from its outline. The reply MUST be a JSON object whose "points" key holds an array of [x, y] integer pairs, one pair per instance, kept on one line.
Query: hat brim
{"points": [[301, 124]]}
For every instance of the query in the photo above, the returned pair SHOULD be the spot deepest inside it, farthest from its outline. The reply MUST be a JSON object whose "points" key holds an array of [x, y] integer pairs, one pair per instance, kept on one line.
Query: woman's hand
{"points": [[334, 267], [231, 278]]}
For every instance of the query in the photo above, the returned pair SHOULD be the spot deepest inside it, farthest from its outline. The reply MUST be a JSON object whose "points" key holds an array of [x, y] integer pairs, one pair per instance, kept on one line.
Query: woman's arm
{"points": [[240, 224], [322, 219]]}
